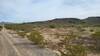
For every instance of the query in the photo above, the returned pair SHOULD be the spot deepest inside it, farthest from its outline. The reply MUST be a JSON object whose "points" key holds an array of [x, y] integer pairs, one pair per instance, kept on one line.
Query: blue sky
{"points": [[39, 10]]}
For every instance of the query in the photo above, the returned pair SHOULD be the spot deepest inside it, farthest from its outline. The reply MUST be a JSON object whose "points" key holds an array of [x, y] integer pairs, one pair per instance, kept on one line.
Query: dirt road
{"points": [[15, 46]]}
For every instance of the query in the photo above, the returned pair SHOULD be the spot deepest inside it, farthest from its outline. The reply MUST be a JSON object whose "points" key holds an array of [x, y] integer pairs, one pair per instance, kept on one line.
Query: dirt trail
{"points": [[12, 46]]}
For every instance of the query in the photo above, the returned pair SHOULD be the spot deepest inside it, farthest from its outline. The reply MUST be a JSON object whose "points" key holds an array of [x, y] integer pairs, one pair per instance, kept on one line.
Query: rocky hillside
{"points": [[68, 21], [92, 20]]}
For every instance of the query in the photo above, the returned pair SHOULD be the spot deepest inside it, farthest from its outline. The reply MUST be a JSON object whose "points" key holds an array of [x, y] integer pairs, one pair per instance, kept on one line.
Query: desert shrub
{"points": [[52, 26], [82, 30], [20, 27], [0, 28], [91, 30], [22, 34], [74, 50], [96, 34], [36, 37], [96, 37], [71, 49]]}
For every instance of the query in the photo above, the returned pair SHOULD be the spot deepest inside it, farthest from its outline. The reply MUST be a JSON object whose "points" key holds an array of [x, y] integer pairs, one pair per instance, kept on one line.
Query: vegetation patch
{"points": [[0, 28], [74, 50], [36, 37], [52, 26], [22, 34], [96, 37]]}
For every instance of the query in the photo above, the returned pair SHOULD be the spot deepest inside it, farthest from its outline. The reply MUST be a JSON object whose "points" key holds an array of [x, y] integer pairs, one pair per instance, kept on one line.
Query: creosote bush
{"points": [[71, 49], [52, 26], [96, 37], [74, 50], [19, 27], [96, 34], [22, 34], [0, 28], [36, 37]]}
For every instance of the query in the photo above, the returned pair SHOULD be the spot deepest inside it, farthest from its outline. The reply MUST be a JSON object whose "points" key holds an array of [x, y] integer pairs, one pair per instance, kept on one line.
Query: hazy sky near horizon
{"points": [[37, 10]]}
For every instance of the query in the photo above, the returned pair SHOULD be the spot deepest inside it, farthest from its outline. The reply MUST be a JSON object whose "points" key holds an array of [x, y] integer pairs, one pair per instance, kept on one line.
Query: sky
{"points": [[40, 10]]}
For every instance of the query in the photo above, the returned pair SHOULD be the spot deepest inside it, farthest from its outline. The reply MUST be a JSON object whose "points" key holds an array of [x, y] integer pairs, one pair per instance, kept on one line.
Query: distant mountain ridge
{"points": [[64, 22], [92, 20], [89, 20], [6, 23], [58, 21]]}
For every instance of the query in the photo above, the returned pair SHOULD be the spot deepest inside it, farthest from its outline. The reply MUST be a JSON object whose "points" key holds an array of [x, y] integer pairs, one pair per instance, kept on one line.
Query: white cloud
{"points": [[33, 10]]}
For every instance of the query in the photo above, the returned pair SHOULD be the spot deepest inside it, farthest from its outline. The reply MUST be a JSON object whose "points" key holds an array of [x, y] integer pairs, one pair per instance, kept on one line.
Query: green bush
{"points": [[96, 34], [70, 49], [75, 50], [96, 37], [91, 30], [20, 27], [22, 34], [0, 28], [36, 37], [52, 26]]}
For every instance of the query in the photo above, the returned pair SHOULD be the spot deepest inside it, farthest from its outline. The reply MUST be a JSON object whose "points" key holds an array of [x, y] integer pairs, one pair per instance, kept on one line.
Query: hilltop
{"points": [[92, 20], [63, 22]]}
